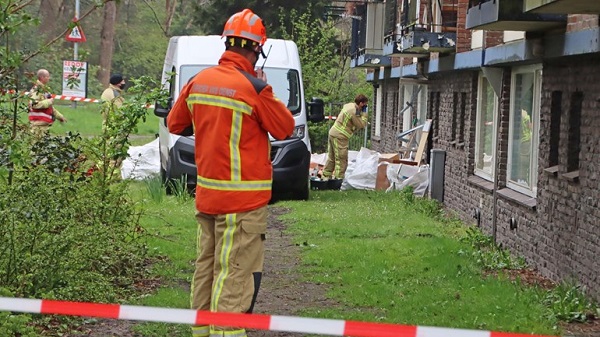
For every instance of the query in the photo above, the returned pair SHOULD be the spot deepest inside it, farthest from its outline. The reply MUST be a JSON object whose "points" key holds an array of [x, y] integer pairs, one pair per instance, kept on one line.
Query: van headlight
{"points": [[299, 131]]}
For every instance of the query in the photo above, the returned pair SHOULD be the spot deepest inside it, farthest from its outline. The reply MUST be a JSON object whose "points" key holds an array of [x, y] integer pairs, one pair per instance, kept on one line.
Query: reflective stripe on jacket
{"points": [[41, 115], [40, 107], [231, 112], [348, 121]]}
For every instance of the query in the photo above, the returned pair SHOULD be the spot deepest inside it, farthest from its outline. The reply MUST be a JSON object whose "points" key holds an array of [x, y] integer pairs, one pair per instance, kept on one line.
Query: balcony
{"points": [[419, 43], [563, 6], [509, 15], [370, 59], [367, 37]]}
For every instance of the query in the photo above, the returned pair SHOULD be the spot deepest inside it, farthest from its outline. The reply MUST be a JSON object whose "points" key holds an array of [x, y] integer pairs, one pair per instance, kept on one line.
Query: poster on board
{"points": [[78, 70]]}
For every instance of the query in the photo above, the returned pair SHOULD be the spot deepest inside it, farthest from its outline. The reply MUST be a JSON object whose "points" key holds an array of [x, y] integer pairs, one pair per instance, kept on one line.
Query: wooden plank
{"points": [[423, 141]]}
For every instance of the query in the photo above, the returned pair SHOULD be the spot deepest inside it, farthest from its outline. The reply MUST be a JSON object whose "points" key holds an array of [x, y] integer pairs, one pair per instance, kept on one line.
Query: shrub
{"points": [[68, 228]]}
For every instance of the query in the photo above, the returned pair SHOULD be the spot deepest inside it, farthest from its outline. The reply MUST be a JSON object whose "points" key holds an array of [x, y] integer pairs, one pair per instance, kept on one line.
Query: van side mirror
{"points": [[162, 111], [316, 110]]}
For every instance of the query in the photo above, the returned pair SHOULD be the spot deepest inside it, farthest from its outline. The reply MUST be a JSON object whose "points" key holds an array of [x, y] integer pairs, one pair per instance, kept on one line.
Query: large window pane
{"points": [[485, 133], [522, 127]]}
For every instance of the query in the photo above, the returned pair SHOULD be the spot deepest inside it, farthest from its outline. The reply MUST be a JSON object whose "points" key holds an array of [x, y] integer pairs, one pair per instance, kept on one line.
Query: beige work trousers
{"points": [[230, 257], [337, 158], [39, 129]]}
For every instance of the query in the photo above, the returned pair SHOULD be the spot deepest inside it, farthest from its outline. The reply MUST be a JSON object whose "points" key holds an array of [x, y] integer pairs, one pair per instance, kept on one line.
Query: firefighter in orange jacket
{"points": [[41, 105], [231, 109]]}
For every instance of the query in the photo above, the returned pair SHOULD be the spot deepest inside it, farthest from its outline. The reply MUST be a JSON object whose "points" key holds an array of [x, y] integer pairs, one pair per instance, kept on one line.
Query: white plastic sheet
{"points": [[401, 176], [362, 174], [142, 162]]}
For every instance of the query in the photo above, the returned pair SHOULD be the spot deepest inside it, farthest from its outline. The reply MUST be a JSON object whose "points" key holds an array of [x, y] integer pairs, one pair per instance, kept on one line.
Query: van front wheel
{"points": [[302, 194], [166, 181]]}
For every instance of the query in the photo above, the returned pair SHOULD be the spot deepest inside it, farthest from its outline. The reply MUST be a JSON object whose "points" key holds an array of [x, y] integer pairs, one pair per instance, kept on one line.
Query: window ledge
{"points": [[482, 183], [572, 176], [519, 198], [452, 142], [460, 145], [552, 171]]}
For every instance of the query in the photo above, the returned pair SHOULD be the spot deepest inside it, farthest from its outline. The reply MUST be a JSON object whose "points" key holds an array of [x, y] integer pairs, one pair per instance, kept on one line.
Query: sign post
{"points": [[76, 35]]}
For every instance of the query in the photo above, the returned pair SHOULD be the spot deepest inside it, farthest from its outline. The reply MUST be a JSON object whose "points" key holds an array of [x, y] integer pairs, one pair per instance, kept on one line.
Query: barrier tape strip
{"points": [[253, 321], [74, 99], [61, 97]]}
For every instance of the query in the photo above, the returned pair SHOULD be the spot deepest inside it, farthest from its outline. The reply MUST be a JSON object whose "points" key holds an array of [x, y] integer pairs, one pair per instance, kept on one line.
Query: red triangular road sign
{"points": [[76, 34]]}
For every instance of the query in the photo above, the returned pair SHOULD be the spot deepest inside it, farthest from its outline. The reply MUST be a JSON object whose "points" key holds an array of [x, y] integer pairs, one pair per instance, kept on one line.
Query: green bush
{"points": [[64, 234], [68, 227], [15, 325], [318, 133], [567, 302], [489, 255]]}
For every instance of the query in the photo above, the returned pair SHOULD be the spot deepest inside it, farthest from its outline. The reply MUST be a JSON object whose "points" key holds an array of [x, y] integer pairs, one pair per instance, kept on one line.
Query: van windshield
{"points": [[285, 83]]}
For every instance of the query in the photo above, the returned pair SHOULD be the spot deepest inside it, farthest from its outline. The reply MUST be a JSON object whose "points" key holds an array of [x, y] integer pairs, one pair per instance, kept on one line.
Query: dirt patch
{"points": [[526, 277], [281, 291], [591, 329]]}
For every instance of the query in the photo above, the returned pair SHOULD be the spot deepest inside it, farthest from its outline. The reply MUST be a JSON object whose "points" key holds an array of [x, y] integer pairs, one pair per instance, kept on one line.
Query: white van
{"points": [[186, 56]]}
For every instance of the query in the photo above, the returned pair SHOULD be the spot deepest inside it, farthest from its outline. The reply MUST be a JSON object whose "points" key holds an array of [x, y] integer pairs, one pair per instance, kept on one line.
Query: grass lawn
{"points": [[396, 265], [382, 260], [86, 119]]}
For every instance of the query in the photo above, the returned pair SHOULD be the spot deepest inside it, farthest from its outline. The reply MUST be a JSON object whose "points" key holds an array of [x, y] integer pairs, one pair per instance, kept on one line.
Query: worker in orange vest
{"points": [[231, 109]]}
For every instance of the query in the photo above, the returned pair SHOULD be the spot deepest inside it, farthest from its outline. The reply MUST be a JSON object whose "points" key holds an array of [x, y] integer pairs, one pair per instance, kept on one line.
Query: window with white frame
{"points": [[414, 105], [485, 130], [525, 96], [378, 110]]}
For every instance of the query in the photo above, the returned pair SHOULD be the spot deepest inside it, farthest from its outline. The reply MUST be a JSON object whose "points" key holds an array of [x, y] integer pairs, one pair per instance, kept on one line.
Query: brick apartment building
{"points": [[512, 88]]}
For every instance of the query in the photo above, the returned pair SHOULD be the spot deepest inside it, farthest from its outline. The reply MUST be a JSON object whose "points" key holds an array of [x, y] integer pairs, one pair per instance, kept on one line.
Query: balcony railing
{"points": [[509, 15], [366, 49], [563, 6], [419, 42]]}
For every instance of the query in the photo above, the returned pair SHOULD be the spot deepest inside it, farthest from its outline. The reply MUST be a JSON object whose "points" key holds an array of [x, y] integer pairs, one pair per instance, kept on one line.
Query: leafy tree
{"points": [[212, 15], [107, 41], [68, 228], [324, 55]]}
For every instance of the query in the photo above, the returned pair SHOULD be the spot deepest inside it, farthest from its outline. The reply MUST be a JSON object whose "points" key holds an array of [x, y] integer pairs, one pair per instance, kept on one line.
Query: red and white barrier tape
{"points": [[76, 99], [253, 321]]}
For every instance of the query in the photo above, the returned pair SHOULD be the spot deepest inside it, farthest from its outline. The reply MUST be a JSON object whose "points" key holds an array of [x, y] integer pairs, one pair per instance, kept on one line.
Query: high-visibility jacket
{"points": [[348, 121], [40, 106], [112, 99], [231, 112]]}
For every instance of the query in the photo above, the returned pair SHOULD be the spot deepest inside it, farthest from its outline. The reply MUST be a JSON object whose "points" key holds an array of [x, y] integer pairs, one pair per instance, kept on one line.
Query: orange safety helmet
{"points": [[246, 25]]}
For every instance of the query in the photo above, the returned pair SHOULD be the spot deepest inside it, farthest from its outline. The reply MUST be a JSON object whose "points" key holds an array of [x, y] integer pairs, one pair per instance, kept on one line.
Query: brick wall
{"points": [[463, 36], [451, 87], [493, 38], [570, 211], [386, 142], [579, 22], [560, 237]]}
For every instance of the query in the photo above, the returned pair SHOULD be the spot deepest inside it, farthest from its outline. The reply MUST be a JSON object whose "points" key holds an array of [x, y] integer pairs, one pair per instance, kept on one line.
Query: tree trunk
{"points": [[170, 9], [107, 42], [50, 11]]}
